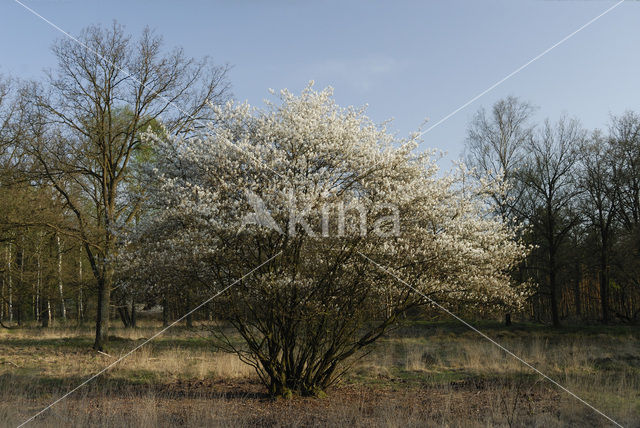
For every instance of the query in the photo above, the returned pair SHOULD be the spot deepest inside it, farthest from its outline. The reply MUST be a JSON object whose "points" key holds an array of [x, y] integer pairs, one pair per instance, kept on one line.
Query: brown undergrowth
{"points": [[420, 375]]}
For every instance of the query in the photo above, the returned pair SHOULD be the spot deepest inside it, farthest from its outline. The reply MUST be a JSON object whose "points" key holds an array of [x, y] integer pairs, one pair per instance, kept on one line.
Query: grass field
{"points": [[433, 374]]}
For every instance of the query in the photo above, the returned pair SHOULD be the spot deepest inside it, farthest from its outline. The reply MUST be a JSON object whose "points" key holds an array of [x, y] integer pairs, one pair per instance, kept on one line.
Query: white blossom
{"points": [[448, 246]]}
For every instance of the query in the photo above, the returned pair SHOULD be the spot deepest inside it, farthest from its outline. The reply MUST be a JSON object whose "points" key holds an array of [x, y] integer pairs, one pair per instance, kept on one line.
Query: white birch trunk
{"points": [[63, 309], [80, 308], [9, 281], [38, 281]]}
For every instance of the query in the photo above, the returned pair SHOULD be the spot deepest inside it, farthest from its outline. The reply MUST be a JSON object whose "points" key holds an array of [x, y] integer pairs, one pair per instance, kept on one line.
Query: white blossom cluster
{"points": [[448, 245]]}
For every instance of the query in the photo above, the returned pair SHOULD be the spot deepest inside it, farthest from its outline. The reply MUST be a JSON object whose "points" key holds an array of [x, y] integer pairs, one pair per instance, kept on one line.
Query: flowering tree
{"points": [[316, 187]]}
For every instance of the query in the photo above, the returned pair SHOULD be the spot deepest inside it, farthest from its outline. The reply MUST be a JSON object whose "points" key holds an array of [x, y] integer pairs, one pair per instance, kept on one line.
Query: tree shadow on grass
{"points": [[30, 386]]}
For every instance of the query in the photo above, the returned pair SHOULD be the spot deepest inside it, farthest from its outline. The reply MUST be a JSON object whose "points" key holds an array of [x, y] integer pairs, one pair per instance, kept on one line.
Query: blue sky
{"points": [[407, 60]]}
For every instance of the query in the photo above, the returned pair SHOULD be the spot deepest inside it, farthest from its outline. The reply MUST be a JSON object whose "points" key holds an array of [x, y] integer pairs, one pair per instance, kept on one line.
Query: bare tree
{"points": [[598, 180], [104, 92], [625, 141], [12, 109], [625, 135], [548, 203]]}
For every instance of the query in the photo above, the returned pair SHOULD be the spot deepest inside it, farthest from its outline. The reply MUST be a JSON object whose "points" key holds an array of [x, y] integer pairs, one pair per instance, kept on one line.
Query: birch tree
{"points": [[496, 147], [63, 308]]}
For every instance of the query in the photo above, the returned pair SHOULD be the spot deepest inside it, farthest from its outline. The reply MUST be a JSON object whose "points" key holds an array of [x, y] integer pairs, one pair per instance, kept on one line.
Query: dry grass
{"points": [[417, 376]]}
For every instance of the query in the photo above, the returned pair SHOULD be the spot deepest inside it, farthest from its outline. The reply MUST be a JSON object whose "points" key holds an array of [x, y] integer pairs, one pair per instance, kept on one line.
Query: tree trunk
{"points": [[80, 309], [123, 311], [190, 315], [102, 315], [34, 305], [63, 309], [38, 305], [106, 272], [576, 290], [604, 287], [105, 278], [165, 310], [21, 292], [45, 311], [133, 313], [555, 298], [9, 282]]}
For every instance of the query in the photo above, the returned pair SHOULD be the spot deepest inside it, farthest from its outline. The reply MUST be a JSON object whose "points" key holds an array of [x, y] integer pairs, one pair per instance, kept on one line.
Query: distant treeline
{"points": [[577, 194], [71, 153]]}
